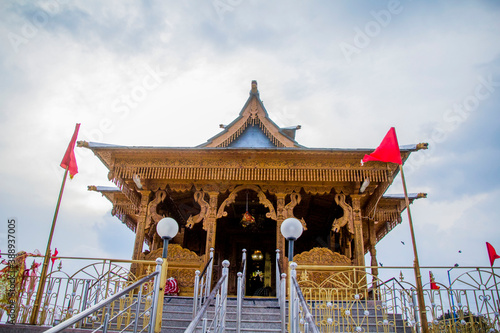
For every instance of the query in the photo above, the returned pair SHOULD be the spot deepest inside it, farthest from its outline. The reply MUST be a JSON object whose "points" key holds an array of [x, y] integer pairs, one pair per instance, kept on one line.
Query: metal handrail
{"points": [[296, 294], [202, 284], [219, 287], [109, 300], [206, 267], [281, 291], [241, 289], [279, 270], [282, 302], [307, 314]]}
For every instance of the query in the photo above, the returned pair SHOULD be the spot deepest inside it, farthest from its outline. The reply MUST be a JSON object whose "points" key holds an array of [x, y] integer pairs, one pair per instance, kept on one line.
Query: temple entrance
{"points": [[257, 234]]}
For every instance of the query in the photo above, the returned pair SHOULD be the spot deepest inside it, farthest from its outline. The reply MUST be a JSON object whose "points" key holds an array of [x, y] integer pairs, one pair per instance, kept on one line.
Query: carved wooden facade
{"points": [[252, 165]]}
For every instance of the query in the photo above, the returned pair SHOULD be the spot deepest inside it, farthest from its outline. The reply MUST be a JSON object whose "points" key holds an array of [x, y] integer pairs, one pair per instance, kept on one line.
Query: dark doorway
{"points": [[258, 238]]}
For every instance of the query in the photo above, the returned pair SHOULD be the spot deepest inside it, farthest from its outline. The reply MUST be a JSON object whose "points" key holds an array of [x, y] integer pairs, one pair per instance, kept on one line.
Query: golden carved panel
{"points": [[321, 256], [182, 263]]}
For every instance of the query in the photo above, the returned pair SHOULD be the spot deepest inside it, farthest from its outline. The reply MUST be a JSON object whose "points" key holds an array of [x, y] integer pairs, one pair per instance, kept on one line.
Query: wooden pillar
{"points": [[210, 222], [140, 229], [280, 240], [359, 249], [373, 251]]}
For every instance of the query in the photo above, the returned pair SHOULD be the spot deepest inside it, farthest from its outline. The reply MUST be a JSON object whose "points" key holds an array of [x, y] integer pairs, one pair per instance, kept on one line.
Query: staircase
{"points": [[262, 315], [366, 315], [258, 315]]}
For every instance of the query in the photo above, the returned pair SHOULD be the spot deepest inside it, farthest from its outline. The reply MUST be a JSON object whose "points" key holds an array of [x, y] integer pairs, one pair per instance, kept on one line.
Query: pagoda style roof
{"points": [[387, 215], [252, 151], [253, 128]]}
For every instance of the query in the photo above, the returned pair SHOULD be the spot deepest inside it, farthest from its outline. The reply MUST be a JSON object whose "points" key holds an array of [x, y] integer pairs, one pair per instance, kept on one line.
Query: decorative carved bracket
{"points": [[295, 199], [154, 217], [347, 218], [262, 199], [205, 208]]}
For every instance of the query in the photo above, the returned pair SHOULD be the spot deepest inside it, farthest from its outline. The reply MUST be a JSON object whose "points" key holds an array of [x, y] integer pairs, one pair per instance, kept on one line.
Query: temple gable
{"points": [[253, 129]]}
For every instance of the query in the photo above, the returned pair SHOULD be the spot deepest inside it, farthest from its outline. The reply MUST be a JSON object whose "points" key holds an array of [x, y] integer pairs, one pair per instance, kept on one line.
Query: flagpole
{"points": [[43, 274], [418, 276]]}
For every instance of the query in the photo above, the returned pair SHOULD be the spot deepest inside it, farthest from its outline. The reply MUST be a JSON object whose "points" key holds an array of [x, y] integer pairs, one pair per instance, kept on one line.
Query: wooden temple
{"points": [[234, 191]]}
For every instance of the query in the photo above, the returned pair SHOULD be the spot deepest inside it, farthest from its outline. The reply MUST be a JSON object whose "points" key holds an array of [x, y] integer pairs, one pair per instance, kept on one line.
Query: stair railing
{"points": [[202, 284], [104, 306], [278, 273], [219, 294], [242, 276], [297, 306], [404, 296], [281, 291], [282, 302]]}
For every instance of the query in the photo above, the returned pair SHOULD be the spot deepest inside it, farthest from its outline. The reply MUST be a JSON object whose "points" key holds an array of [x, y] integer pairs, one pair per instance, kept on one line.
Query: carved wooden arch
{"points": [[262, 199]]}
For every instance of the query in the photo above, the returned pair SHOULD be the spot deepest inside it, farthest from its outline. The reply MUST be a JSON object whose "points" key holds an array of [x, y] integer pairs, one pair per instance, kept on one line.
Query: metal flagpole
{"points": [[418, 276], [43, 274]]}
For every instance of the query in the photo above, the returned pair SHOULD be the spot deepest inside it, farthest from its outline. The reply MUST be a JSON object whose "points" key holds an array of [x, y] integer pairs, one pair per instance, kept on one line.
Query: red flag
{"points": [[387, 151], [434, 286], [69, 160], [54, 256], [492, 254]]}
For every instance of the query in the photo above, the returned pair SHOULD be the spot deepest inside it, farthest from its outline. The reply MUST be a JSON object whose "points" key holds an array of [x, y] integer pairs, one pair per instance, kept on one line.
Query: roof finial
{"points": [[254, 87]]}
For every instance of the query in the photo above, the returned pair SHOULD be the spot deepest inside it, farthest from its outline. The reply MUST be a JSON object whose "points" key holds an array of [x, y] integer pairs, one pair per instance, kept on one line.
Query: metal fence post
{"points": [[239, 303], [209, 274], [283, 302], [159, 262], [196, 289], [137, 309], [292, 302], [225, 272], [278, 277]]}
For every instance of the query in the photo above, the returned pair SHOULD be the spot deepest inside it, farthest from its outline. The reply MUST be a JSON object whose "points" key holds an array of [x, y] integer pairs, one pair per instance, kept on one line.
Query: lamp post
{"points": [[291, 229], [451, 293], [166, 228]]}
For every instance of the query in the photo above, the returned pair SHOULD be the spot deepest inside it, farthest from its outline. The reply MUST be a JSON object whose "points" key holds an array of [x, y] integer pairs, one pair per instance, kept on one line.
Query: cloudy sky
{"points": [[167, 73]]}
